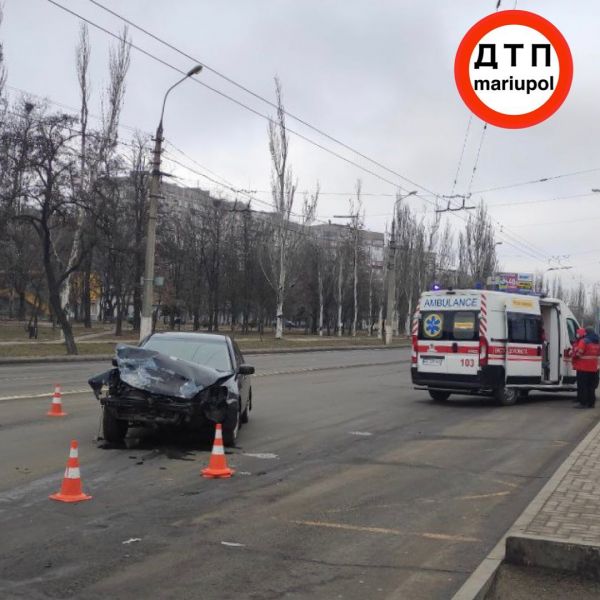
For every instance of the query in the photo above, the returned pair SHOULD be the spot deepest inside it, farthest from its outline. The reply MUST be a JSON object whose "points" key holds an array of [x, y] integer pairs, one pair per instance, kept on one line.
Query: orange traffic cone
{"points": [[56, 406], [70, 490], [217, 465]]}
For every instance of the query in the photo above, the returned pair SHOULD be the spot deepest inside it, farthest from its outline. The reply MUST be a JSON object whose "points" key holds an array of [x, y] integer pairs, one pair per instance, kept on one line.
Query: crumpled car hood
{"points": [[158, 373]]}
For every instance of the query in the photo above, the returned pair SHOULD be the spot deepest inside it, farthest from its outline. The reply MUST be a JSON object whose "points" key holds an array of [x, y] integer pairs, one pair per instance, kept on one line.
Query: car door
{"points": [[523, 357]]}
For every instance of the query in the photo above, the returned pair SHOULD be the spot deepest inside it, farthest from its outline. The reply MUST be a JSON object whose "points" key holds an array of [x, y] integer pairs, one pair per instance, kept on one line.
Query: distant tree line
{"points": [[73, 212]]}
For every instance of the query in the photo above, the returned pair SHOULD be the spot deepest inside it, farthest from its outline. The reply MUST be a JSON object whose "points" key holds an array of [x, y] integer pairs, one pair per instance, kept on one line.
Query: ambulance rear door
{"points": [[448, 335], [569, 375], [523, 356]]}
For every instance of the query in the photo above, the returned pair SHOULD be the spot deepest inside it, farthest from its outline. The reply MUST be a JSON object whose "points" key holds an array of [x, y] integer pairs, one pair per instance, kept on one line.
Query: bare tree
{"points": [[2, 65], [48, 203], [283, 191], [477, 247], [90, 168], [577, 301], [355, 211]]}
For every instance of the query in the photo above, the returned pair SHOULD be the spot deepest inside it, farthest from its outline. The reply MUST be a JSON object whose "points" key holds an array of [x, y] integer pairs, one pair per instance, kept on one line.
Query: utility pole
{"points": [[355, 220], [340, 289], [355, 275], [153, 196], [391, 285]]}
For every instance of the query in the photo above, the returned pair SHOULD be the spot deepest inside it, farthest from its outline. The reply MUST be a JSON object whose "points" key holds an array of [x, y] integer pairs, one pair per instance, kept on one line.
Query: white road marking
{"points": [[263, 374], [234, 544], [363, 433], [385, 530], [482, 496], [131, 540], [46, 395], [266, 455]]}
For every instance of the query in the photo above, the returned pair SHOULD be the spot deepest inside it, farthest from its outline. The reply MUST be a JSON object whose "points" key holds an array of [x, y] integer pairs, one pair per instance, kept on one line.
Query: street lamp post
{"points": [[154, 195]]}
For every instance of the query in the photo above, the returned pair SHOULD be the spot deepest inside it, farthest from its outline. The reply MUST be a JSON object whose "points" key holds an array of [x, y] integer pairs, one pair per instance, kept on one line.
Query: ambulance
{"points": [[491, 343]]}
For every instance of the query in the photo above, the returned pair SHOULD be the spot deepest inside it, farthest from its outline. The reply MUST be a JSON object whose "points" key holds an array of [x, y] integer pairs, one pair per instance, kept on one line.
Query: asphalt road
{"points": [[349, 484]]}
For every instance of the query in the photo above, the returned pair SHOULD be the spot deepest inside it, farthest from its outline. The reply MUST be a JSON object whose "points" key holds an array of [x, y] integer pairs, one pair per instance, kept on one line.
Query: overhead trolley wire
{"points": [[532, 181], [239, 103], [462, 154], [260, 97], [258, 113]]}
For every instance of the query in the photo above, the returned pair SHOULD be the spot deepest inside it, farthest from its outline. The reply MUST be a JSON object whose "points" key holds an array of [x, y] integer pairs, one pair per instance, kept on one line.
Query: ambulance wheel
{"points": [[506, 396], [439, 396]]}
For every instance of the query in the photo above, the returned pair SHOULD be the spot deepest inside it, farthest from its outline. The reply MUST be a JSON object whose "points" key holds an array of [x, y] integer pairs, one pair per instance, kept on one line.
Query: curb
{"points": [[23, 360], [482, 579]]}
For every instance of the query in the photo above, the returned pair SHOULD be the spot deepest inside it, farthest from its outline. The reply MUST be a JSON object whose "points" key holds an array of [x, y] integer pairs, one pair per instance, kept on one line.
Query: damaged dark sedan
{"points": [[177, 380]]}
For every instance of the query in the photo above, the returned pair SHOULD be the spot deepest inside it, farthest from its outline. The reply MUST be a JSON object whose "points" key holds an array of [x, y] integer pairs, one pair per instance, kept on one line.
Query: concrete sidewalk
{"points": [[564, 532], [558, 533]]}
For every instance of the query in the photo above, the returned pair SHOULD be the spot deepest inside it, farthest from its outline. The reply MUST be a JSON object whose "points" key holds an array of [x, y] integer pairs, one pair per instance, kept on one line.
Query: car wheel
{"points": [[231, 428], [506, 396], [114, 429], [439, 396], [245, 417]]}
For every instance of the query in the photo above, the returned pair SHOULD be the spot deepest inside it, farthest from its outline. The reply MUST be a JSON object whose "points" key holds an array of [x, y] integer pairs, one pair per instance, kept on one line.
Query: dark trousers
{"points": [[586, 388]]}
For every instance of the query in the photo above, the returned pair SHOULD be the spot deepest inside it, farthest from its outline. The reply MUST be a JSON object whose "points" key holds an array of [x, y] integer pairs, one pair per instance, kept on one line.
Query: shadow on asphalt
{"points": [[177, 445], [488, 402]]}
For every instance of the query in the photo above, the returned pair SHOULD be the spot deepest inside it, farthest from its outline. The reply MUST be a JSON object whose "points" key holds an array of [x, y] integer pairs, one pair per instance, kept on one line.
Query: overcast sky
{"points": [[376, 75]]}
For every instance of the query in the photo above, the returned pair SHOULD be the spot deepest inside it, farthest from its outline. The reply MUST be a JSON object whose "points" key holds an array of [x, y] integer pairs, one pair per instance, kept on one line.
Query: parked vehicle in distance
{"points": [[181, 380], [492, 343]]}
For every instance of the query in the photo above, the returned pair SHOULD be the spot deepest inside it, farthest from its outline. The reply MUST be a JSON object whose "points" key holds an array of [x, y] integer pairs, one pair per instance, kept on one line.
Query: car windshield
{"points": [[207, 352]]}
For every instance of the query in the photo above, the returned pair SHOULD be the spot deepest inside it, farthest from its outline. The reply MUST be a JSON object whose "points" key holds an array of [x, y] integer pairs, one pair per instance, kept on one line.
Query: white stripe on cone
{"points": [[73, 453], [56, 400], [72, 473], [217, 449]]}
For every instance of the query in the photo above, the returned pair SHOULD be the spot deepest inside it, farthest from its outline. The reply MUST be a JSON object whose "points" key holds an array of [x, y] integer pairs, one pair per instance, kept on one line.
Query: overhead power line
{"points": [[532, 181], [462, 153], [477, 159], [258, 113], [245, 106], [260, 97]]}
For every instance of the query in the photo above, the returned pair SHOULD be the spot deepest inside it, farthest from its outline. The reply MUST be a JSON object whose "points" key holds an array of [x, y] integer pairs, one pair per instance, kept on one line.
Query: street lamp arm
{"points": [[191, 72]]}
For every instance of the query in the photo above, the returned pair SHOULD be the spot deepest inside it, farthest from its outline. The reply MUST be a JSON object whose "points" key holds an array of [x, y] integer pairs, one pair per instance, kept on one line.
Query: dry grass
{"points": [[11, 331], [41, 350]]}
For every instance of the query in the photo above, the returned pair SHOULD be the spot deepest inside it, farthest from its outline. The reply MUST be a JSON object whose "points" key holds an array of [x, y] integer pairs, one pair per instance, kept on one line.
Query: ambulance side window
{"points": [[524, 328], [572, 328]]}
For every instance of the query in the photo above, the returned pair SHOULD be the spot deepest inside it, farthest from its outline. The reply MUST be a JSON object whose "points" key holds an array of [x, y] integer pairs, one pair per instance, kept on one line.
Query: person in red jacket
{"points": [[586, 354]]}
